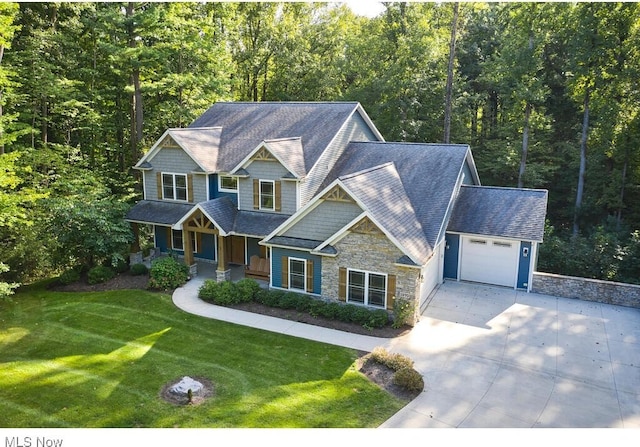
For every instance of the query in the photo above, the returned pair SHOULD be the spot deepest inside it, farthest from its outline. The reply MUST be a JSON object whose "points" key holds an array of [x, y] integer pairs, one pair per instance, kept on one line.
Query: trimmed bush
{"points": [[247, 289], [100, 274], [393, 360], [409, 379], [69, 277], [167, 273], [378, 318], [139, 269], [227, 293]]}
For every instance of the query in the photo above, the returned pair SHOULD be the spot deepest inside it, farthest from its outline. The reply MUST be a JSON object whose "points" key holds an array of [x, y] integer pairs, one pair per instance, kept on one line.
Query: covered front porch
{"points": [[213, 237]]}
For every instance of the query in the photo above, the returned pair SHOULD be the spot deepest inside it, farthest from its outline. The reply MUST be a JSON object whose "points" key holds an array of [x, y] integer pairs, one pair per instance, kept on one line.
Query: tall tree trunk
{"points": [[583, 163], [137, 116], [624, 179], [449, 88], [525, 145], [1, 111]]}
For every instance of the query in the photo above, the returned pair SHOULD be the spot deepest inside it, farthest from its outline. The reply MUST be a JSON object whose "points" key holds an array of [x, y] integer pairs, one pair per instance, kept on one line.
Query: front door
{"points": [[236, 255]]}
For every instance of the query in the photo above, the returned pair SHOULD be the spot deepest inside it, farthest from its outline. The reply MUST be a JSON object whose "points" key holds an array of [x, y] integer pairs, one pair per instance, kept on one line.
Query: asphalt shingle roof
{"points": [[381, 192], [161, 213], [502, 212], [222, 210], [427, 173], [246, 124], [202, 144]]}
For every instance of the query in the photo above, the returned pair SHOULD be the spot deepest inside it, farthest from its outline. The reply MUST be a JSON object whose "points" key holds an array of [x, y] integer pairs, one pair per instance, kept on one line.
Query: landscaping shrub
{"points": [[225, 293], [394, 361], [228, 293], [168, 273], [247, 289], [100, 274], [347, 313], [329, 310], [69, 277], [120, 265], [403, 312], [409, 379], [139, 269], [378, 318]]}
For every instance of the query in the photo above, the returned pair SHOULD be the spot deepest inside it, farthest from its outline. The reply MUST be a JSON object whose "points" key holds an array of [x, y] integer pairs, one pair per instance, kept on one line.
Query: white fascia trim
{"points": [[151, 152], [488, 236], [156, 147], [178, 224], [472, 166], [420, 267], [284, 247], [366, 118], [295, 218], [247, 160], [454, 195], [144, 186]]}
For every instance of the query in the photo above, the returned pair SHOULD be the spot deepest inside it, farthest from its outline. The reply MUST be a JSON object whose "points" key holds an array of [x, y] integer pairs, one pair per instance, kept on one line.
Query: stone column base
{"points": [[223, 275], [135, 258]]}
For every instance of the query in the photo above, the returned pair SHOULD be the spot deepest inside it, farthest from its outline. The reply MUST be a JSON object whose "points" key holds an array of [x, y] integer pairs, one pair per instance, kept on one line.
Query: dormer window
{"points": [[266, 195], [174, 187], [227, 183]]}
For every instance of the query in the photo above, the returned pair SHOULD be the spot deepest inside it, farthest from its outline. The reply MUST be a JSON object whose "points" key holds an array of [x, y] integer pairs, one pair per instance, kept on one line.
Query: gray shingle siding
{"points": [[324, 220], [176, 161], [267, 170]]}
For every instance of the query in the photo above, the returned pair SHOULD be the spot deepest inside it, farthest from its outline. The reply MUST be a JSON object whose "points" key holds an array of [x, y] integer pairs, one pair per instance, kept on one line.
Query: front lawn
{"points": [[101, 359]]}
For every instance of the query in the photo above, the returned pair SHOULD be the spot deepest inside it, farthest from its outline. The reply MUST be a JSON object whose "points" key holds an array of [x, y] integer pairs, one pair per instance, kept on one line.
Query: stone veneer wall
{"points": [[370, 252], [608, 292]]}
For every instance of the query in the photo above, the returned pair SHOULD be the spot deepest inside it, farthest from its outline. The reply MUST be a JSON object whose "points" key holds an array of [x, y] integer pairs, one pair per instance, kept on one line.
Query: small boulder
{"points": [[186, 384]]}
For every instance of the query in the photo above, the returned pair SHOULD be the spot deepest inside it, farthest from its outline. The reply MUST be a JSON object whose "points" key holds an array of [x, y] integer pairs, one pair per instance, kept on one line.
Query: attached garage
{"points": [[493, 235], [491, 261]]}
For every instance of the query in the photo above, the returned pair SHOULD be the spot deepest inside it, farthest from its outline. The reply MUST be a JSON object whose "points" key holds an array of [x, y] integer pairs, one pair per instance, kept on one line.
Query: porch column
{"points": [[188, 251], [223, 273], [135, 255]]}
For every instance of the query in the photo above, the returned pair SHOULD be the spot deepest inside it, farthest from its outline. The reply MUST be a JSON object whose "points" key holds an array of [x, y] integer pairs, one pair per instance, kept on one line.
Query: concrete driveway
{"points": [[494, 357]]}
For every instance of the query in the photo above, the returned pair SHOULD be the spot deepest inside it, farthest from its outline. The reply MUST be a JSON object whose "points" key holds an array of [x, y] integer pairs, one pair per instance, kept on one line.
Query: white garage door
{"points": [[489, 261]]}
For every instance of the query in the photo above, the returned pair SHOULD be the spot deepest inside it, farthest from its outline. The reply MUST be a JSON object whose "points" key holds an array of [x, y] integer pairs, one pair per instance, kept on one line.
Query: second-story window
{"points": [[267, 195], [174, 187], [227, 183]]}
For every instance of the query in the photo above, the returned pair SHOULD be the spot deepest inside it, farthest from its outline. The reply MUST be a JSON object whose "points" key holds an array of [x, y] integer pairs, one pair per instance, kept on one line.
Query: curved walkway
{"points": [[495, 357]]}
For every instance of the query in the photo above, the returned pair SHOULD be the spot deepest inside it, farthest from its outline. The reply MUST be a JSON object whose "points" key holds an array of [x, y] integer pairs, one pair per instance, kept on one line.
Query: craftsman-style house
{"points": [[309, 197]]}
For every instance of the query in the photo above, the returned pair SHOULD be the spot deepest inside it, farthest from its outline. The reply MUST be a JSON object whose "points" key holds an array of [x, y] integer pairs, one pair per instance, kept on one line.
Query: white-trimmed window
{"points": [[267, 195], [226, 183], [298, 274], [174, 186], [177, 241], [367, 288]]}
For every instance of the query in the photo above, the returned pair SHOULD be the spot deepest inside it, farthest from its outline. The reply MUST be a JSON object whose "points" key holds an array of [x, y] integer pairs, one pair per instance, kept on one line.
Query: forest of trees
{"points": [[546, 94]]}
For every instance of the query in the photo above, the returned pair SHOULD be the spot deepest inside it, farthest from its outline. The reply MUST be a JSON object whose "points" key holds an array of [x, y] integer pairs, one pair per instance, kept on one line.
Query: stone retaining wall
{"points": [[608, 292]]}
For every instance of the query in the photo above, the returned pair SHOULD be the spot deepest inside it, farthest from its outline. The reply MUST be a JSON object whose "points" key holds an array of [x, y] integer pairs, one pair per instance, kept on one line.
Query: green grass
{"points": [[101, 359]]}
